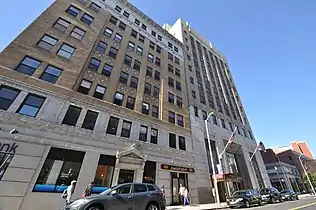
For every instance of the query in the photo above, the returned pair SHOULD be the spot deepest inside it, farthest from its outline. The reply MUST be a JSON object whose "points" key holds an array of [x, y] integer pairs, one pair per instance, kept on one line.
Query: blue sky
{"points": [[270, 46]]}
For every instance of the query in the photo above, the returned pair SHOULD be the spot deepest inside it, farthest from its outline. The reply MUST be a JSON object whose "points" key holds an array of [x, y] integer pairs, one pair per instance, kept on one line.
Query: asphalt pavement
{"points": [[302, 204]]}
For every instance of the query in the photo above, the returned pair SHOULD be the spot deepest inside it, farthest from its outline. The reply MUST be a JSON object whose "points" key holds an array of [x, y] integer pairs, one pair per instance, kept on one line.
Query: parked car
{"points": [[289, 195], [244, 198], [140, 196], [270, 195]]}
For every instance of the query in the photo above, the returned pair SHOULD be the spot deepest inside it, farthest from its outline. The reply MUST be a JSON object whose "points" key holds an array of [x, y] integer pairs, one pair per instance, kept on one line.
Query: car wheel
{"points": [[247, 204], [152, 206], [272, 200], [297, 198], [280, 199], [95, 207], [260, 202]]}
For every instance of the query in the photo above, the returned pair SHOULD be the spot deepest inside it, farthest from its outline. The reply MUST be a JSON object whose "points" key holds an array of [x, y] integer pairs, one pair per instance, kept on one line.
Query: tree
{"points": [[312, 177]]}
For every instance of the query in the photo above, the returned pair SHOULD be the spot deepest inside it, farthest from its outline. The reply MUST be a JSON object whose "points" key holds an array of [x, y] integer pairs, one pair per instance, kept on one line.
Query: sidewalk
{"points": [[199, 206]]}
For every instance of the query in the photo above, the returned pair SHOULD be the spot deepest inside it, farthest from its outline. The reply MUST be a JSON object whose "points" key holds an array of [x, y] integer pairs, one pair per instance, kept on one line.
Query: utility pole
{"points": [[306, 174]]}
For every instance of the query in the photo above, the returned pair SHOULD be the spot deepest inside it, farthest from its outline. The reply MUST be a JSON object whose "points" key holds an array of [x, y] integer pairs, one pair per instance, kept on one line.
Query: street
{"points": [[304, 204]]}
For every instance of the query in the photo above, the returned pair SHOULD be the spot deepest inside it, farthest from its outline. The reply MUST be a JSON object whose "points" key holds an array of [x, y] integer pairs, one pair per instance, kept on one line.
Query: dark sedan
{"points": [[289, 195], [244, 198], [271, 195]]}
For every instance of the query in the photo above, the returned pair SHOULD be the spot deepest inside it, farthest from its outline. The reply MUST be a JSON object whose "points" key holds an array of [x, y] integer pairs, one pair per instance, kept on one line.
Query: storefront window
{"points": [[60, 168], [5, 160], [104, 173], [149, 175]]}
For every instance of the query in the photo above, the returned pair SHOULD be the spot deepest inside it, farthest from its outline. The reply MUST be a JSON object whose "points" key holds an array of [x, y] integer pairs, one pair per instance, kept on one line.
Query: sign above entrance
{"points": [[8, 148], [177, 168]]}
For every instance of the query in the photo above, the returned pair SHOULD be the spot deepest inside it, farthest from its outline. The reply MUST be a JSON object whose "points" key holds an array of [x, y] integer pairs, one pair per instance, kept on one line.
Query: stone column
{"points": [[116, 171]]}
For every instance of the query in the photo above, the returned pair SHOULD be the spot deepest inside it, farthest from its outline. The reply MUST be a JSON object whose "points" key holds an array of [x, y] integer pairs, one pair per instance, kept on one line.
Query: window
{"points": [[176, 49], [31, 105], [180, 120], [137, 65], [192, 80], [87, 19], [196, 111], [102, 47], [159, 38], [170, 82], [223, 123], [72, 115], [170, 98], [99, 92], [118, 37], [154, 136], [78, 33], [7, 96], [134, 82], [157, 75], [170, 56], [156, 92], [130, 103], [150, 58], [139, 51], [126, 14], [143, 133], [47, 42], [137, 22], [108, 32], [141, 38], [155, 111], [170, 68], [144, 26], [172, 117], [193, 94], [51, 74], [204, 114], [149, 71], [62, 24], [214, 120], [95, 7], [157, 61], [170, 45], [103, 174], [147, 89], [28, 66], [189, 57], [145, 108], [60, 168], [124, 77], [178, 85], [131, 46], [118, 98], [190, 68], [153, 33], [134, 34], [126, 129], [158, 49], [112, 125], [113, 52], [231, 126], [94, 64], [128, 60], [66, 51], [139, 188], [179, 101], [84, 86], [118, 9], [250, 134], [172, 141], [176, 60], [90, 120], [113, 20], [5, 160], [245, 133], [107, 69], [181, 142], [152, 45], [122, 26], [177, 72], [74, 11]]}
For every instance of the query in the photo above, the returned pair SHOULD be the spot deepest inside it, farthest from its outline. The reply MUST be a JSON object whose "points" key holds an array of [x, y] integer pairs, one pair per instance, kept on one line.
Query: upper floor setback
{"points": [[140, 22]]}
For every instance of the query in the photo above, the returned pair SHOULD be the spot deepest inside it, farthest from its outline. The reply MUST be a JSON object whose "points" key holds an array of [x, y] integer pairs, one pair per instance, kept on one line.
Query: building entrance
{"points": [[125, 176], [177, 179]]}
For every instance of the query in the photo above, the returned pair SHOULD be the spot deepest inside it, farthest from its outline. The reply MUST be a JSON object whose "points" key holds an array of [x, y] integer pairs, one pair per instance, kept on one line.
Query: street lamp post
{"points": [[286, 181], [306, 174], [212, 160]]}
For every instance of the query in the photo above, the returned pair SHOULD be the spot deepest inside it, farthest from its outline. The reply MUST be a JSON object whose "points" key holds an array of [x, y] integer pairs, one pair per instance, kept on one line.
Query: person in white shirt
{"points": [[67, 194], [181, 193], [186, 197]]}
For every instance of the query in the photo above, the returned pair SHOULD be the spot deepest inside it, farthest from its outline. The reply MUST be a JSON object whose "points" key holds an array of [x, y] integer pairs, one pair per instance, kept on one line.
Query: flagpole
{"points": [[254, 152], [228, 143]]}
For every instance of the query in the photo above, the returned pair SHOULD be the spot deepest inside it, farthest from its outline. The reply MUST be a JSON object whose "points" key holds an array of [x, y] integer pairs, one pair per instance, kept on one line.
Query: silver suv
{"points": [[140, 196]]}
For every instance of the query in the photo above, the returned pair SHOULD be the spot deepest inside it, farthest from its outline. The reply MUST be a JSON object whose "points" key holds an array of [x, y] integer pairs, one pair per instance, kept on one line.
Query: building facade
{"points": [[302, 147], [84, 96], [211, 89]]}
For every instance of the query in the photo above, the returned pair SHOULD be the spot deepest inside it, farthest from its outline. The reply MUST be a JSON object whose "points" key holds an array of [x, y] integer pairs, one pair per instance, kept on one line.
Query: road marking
{"points": [[304, 206]]}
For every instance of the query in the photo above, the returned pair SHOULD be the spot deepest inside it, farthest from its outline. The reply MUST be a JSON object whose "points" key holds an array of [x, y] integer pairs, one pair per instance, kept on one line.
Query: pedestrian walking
{"points": [[181, 193], [186, 197], [88, 191], [67, 194], [163, 192]]}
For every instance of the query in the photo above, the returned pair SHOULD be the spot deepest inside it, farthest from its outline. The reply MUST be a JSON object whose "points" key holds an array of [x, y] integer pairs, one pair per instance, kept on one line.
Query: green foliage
{"points": [[312, 177]]}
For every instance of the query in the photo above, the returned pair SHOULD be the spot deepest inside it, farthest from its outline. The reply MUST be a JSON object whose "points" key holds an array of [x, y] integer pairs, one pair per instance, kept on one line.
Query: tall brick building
{"points": [[301, 147], [96, 90]]}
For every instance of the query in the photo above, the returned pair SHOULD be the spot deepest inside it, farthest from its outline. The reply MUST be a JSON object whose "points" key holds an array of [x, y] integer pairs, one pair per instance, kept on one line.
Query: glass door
{"points": [[125, 176]]}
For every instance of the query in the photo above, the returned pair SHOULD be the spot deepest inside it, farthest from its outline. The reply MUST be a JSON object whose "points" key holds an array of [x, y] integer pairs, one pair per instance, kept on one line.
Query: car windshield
{"points": [[239, 193], [264, 191], [108, 190]]}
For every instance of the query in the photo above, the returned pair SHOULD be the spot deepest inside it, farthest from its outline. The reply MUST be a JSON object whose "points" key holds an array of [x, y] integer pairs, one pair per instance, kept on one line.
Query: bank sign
{"points": [[176, 168], [8, 148]]}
